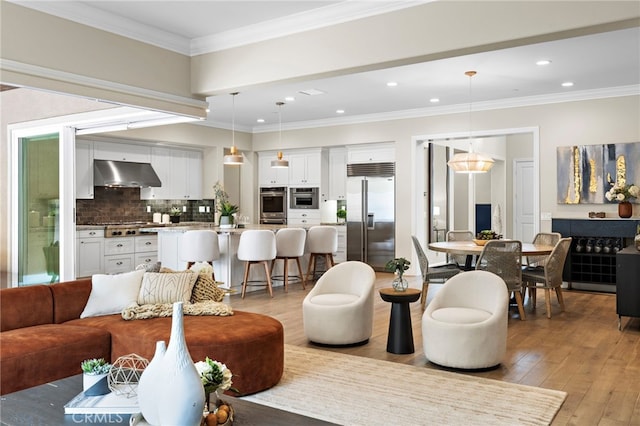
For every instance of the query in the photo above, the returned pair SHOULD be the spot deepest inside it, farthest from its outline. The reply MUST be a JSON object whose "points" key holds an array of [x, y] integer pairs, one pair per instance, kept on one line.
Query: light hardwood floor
{"points": [[579, 351]]}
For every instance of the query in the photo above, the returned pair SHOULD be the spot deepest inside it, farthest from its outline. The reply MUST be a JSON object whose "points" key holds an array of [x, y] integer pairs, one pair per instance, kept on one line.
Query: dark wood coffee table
{"points": [[44, 405]]}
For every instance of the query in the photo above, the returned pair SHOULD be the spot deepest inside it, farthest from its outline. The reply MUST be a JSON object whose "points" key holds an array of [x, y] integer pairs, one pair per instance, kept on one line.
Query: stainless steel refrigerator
{"points": [[371, 213]]}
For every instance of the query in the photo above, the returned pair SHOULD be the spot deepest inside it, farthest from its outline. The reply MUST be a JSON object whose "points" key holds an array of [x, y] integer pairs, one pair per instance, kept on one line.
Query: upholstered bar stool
{"points": [[290, 246], [322, 241], [199, 246], [257, 247]]}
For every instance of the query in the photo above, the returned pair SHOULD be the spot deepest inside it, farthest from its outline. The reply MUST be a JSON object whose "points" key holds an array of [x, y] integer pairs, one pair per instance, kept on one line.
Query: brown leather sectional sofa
{"points": [[42, 338]]}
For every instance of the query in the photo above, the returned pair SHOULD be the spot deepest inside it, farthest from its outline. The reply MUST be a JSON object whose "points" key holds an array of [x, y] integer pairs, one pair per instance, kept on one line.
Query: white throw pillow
{"points": [[166, 287], [110, 294]]}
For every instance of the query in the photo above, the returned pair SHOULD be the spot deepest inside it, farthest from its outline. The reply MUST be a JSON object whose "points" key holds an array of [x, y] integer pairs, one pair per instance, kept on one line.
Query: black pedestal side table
{"points": [[400, 339]]}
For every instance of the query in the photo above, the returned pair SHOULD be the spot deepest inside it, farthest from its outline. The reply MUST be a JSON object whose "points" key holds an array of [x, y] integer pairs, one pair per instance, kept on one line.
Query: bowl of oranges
{"points": [[222, 415]]}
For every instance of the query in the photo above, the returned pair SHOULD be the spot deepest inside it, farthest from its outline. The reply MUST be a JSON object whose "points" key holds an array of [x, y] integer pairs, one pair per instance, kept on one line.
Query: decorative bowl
{"points": [[480, 242]]}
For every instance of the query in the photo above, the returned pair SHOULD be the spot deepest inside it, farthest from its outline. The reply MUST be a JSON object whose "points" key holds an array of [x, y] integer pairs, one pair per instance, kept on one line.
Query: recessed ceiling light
{"points": [[260, 120], [543, 62], [208, 110], [567, 84], [289, 99], [434, 100], [339, 111], [392, 83]]}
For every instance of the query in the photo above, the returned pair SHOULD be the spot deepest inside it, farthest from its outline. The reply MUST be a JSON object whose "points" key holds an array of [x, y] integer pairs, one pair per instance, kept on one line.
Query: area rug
{"points": [[352, 390]]}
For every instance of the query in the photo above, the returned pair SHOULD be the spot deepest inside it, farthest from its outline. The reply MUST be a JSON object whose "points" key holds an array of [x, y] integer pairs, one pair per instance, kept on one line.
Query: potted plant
{"points": [[226, 213], [341, 214], [174, 214], [398, 266], [623, 194], [94, 376]]}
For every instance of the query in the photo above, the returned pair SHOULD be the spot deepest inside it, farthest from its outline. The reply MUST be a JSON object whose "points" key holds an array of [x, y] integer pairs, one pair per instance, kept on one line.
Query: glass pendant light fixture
{"points": [[234, 158], [280, 163], [470, 162]]}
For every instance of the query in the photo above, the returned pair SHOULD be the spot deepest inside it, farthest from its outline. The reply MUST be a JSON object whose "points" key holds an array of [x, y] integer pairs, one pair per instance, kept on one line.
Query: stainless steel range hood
{"points": [[124, 174]]}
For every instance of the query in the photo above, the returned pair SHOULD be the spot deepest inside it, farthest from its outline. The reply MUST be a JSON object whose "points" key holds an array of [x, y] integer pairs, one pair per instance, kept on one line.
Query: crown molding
{"points": [[107, 21], [304, 21], [317, 18], [584, 95]]}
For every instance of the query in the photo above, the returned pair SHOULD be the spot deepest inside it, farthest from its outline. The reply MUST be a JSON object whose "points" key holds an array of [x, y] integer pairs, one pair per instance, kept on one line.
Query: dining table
{"points": [[471, 248]]}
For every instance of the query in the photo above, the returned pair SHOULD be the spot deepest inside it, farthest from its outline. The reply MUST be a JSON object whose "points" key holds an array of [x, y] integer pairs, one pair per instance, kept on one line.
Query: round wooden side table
{"points": [[400, 339]]}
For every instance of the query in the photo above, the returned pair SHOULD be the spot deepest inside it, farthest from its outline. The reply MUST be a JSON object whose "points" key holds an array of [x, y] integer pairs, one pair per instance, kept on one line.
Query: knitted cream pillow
{"points": [[166, 288]]}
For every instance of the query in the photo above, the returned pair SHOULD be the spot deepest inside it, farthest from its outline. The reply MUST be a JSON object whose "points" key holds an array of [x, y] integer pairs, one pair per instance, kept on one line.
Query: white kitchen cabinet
{"points": [[161, 162], [305, 168], [303, 217], [371, 153], [119, 255], [122, 152], [89, 252], [180, 172], [84, 169], [269, 176], [338, 174], [146, 249]]}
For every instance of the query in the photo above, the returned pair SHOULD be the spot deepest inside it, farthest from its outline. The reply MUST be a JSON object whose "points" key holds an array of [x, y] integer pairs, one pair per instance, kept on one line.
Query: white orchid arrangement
{"points": [[214, 375], [621, 193]]}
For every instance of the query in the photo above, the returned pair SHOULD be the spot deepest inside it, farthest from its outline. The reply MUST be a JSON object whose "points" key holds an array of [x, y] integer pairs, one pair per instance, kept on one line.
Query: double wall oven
{"points": [[273, 205]]}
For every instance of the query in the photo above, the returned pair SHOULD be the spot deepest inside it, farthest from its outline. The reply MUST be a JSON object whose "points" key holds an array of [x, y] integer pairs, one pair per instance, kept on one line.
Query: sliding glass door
{"points": [[38, 210]]}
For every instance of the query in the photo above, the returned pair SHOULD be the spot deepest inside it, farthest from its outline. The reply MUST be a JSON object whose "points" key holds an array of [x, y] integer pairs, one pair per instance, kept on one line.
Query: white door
{"points": [[524, 228]]}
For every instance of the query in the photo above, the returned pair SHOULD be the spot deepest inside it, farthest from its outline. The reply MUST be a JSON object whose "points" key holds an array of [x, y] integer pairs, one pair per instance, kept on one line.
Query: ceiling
{"points": [[598, 65]]}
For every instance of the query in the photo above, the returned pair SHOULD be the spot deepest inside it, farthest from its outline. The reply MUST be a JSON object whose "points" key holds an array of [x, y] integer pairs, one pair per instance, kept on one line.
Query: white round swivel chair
{"points": [[339, 308], [199, 246], [289, 246], [257, 247], [322, 241], [465, 325]]}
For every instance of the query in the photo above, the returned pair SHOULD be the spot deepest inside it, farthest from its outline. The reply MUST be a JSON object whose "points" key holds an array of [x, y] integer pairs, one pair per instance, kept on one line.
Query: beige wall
{"points": [[610, 120]]}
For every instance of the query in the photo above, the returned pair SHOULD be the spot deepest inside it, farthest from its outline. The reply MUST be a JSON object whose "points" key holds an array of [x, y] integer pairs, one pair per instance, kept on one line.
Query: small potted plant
{"points": [[398, 266], [94, 376], [174, 214], [226, 213], [341, 214]]}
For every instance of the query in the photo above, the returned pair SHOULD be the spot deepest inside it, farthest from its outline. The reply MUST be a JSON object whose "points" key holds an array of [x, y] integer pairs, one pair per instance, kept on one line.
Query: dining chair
{"points": [[503, 258], [543, 238], [443, 272], [549, 276], [460, 259]]}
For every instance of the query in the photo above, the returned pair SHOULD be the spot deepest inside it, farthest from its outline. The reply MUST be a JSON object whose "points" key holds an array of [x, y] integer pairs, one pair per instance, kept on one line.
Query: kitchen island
{"points": [[228, 269]]}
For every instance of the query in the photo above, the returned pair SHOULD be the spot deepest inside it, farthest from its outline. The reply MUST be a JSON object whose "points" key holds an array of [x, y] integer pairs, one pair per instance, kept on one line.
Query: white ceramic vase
{"points": [[147, 385], [179, 390]]}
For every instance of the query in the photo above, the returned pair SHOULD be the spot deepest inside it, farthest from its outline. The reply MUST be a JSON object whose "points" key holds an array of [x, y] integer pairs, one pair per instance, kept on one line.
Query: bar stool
{"points": [[290, 246], [322, 241], [256, 246], [200, 246]]}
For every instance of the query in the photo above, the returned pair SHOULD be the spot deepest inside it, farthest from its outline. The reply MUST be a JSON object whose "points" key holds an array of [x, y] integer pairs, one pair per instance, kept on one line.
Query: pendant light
{"points": [[234, 158], [470, 162], [280, 163]]}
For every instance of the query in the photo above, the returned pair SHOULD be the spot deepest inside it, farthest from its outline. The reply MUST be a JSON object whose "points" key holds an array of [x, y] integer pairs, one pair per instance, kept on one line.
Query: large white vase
{"points": [[147, 385], [180, 394]]}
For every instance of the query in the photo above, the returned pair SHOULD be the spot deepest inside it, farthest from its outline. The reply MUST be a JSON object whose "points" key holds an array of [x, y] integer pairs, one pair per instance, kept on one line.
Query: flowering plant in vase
{"points": [[215, 376], [622, 193], [398, 266]]}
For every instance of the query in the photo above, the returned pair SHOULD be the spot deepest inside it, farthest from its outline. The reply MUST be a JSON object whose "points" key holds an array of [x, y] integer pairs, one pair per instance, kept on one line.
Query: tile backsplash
{"points": [[111, 205]]}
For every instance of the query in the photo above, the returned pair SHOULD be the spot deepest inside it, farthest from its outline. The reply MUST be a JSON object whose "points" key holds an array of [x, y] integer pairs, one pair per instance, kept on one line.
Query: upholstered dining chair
{"points": [[289, 246], [322, 241], [442, 272], [503, 258], [257, 246], [544, 238], [549, 276], [200, 246], [460, 259]]}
